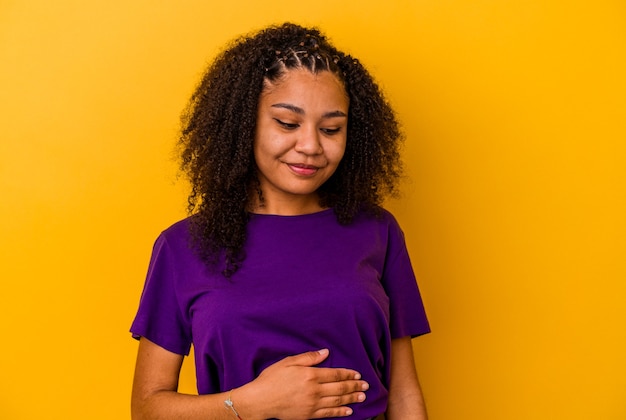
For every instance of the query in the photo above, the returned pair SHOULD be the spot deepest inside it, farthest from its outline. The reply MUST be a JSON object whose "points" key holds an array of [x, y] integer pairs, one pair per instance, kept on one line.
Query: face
{"points": [[300, 138]]}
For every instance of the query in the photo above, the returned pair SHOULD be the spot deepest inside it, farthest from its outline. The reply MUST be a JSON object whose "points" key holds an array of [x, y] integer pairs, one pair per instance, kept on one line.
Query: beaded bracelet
{"points": [[228, 403]]}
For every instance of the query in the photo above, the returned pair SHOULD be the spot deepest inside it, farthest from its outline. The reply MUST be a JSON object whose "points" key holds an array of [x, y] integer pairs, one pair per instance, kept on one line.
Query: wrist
{"points": [[230, 405], [245, 404]]}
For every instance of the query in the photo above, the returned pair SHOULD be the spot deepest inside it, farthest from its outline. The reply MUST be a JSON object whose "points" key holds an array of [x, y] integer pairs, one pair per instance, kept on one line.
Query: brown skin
{"points": [[300, 140], [318, 159], [406, 401], [219, 125], [291, 388]]}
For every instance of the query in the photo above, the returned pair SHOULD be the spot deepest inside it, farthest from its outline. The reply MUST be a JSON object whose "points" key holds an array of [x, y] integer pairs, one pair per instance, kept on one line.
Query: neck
{"points": [[287, 207]]}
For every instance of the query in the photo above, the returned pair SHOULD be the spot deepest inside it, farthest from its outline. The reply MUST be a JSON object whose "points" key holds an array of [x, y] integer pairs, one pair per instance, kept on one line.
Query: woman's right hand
{"points": [[293, 388]]}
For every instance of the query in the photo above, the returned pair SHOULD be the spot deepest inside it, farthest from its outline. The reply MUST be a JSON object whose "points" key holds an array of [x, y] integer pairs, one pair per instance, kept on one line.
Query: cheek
{"points": [[262, 150], [270, 146], [335, 154]]}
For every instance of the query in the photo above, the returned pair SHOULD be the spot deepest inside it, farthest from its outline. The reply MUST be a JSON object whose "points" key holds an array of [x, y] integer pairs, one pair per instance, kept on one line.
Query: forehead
{"points": [[304, 85]]}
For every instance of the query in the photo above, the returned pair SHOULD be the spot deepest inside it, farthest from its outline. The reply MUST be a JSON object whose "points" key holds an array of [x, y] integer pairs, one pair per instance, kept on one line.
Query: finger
{"points": [[310, 358], [326, 375], [332, 412], [337, 405], [334, 389], [337, 401]]}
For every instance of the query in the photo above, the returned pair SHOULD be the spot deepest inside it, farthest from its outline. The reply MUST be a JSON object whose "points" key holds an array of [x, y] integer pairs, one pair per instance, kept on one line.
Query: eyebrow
{"points": [[300, 111]]}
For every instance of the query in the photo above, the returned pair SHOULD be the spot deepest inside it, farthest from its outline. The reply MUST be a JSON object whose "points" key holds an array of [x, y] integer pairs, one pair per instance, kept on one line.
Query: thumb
{"points": [[310, 358]]}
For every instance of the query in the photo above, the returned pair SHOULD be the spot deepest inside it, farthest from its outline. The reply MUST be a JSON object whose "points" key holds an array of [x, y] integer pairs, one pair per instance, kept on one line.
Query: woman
{"points": [[292, 283]]}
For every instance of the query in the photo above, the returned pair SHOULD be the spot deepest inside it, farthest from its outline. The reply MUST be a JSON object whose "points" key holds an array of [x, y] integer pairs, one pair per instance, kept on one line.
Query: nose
{"points": [[308, 142]]}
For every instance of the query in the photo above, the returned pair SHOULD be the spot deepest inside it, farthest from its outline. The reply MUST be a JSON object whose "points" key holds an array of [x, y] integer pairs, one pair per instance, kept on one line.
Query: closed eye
{"points": [[288, 126], [331, 131]]}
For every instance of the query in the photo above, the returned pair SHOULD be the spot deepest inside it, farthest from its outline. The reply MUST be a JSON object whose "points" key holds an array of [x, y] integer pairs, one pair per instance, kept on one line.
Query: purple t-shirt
{"points": [[306, 283]]}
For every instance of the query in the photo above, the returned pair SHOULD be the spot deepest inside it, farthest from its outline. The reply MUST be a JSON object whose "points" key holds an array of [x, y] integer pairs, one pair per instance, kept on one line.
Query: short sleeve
{"points": [[159, 317], [406, 308]]}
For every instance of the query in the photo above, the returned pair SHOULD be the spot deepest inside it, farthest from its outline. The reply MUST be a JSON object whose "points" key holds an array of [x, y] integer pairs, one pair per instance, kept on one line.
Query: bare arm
{"points": [[154, 393], [290, 388], [405, 394]]}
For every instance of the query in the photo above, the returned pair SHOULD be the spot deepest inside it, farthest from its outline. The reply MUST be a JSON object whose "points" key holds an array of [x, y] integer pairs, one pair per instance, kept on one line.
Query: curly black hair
{"points": [[218, 129]]}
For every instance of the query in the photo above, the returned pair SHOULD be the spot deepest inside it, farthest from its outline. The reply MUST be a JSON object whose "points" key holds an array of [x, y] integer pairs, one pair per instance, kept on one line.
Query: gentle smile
{"points": [[301, 169]]}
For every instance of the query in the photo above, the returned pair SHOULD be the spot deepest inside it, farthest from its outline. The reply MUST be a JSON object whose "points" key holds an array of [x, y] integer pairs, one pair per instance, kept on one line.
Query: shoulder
{"points": [[178, 229], [175, 236], [174, 250], [381, 224], [382, 218]]}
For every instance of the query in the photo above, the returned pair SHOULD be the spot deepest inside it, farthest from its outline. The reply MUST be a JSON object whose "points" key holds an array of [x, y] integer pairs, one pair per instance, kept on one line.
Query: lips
{"points": [[303, 170]]}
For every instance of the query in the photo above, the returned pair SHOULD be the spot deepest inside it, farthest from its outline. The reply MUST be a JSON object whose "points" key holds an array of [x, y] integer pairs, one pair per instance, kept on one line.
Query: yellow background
{"points": [[515, 114]]}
